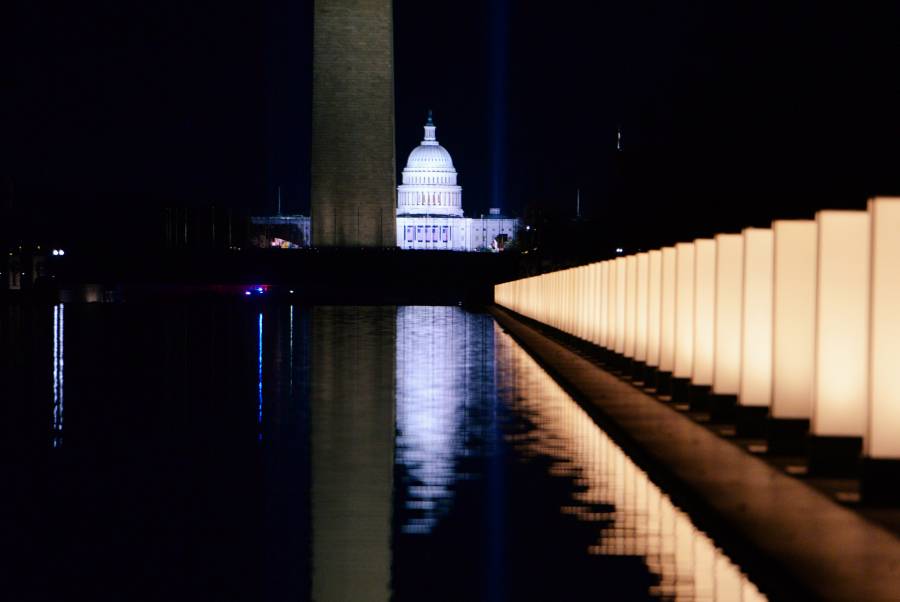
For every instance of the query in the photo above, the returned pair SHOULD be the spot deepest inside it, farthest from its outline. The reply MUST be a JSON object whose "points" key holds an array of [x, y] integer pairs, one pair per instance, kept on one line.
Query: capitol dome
{"points": [[430, 157], [429, 180]]}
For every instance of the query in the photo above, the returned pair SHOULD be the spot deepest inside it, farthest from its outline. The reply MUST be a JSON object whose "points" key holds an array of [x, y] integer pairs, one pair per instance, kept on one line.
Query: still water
{"points": [[264, 452]]}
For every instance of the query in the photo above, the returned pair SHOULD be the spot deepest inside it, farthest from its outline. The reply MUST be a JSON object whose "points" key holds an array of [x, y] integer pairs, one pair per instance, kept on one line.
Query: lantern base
{"points": [[651, 377], [834, 456], [663, 382], [750, 421], [787, 436], [603, 355], [880, 482], [638, 371], [680, 388], [616, 362], [722, 408], [628, 368], [698, 396]]}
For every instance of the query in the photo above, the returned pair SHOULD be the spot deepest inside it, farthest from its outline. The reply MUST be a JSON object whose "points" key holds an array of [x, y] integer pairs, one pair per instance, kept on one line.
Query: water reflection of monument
{"points": [[352, 440]]}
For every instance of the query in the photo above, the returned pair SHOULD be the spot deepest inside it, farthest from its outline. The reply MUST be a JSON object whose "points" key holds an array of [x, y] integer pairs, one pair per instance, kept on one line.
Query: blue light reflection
{"points": [[58, 374], [259, 375]]}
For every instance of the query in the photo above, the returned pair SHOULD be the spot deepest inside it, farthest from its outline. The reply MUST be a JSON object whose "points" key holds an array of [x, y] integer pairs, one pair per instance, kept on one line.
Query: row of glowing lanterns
{"points": [[802, 318]]}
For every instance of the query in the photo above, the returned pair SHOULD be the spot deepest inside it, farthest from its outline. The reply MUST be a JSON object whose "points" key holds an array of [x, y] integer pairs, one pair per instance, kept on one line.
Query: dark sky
{"points": [[733, 113]]}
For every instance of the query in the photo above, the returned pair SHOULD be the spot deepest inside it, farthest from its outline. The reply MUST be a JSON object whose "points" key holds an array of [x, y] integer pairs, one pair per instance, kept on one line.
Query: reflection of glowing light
{"points": [[58, 373], [431, 389], [291, 355], [259, 375], [636, 518]]}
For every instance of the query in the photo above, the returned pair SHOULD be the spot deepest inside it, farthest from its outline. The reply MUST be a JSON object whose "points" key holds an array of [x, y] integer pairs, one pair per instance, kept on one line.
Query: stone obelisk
{"points": [[353, 175]]}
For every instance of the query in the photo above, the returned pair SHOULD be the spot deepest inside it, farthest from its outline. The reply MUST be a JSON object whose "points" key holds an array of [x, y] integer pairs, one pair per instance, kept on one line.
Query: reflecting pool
{"points": [[269, 452]]}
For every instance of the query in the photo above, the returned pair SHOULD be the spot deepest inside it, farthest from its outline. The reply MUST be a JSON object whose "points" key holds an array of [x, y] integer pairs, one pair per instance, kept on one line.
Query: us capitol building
{"points": [[429, 211], [429, 206]]}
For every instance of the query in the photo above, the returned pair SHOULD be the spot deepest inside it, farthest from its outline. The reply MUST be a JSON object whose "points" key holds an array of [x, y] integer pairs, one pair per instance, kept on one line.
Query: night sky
{"points": [[732, 113]]}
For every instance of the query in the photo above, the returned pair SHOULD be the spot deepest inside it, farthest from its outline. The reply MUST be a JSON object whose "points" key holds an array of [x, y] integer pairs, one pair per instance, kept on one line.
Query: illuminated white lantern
{"points": [[842, 325], [620, 304], [667, 311], [594, 300], [756, 339], [558, 294], [704, 310], [643, 282], [611, 305], [794, 315], [729, 301], [882, 439], [684, 310], [580, 304], [604, 303], [630, 305], [586, 300], [654, 305], [586, 278]]}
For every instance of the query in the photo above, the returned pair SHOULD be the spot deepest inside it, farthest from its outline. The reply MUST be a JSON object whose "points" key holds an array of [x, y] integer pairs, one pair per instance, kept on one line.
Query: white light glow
{"points": [[729, 302], [684, 310], [641, 320], [621, 294], [756, 332], [667, 311], [882, 438], [654, 305], [794, 315], [630, 305], [842, 324], [704, 310]]}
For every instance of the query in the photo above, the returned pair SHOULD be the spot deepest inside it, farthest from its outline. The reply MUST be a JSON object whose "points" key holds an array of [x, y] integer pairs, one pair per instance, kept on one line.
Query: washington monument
{"points": [[353, 173]]}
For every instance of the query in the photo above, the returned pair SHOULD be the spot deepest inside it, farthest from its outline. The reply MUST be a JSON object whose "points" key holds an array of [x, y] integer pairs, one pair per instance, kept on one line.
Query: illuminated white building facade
{"points": [[429, 206]]}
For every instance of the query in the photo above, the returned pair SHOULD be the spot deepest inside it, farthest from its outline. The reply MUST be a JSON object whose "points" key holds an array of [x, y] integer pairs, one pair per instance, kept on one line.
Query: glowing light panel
{"points": [[641, 319], [654, 305], [630, 305], [882, 438], [729, 301], [621, 295], [604, 303], [842, 324], [704, 310], [667, 311], [756, 333], [684, 310], [794, 315]]}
